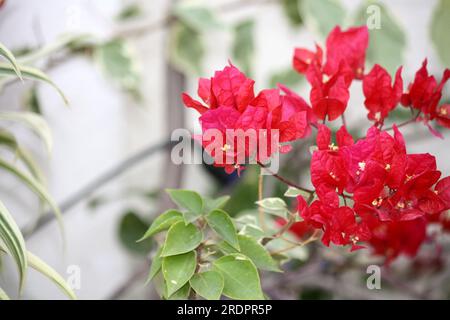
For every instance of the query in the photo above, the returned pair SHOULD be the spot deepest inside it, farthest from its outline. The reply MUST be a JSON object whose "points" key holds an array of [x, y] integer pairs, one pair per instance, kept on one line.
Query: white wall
{"points": [[103, 126]]}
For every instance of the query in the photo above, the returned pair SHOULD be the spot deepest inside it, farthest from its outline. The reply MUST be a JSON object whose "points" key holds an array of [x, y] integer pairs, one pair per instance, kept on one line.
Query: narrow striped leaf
{"points": [[13, 242], [4, 52], [40, 266], [32, 74], [36, 187]]}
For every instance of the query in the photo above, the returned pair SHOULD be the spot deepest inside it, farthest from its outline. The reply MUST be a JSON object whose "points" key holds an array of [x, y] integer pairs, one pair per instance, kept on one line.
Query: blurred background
{"points": [[123, 65]]}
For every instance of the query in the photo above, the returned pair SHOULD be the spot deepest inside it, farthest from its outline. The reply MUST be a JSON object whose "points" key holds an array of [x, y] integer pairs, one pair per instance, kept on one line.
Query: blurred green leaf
{"points": [[40, 266], [9, 141], [222, 224], [181, 238], [178, 269], [37, 188], [208, 284], [131, 228], [291, 9], [243, 45], [32, 101], [189, 200], [440, 26], [322, 16], [3, 295], [186, 48], [128, 12], [275, 206], [162, 222], [34, 121], [241, 278], [4, 52], [288, 77], [387, 44], [294, 192], [199, 18], [118, 62], [216, 203], [14, 244], [33, 74]]}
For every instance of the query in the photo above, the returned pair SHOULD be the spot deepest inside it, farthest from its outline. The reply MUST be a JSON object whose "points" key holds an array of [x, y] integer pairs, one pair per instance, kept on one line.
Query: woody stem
{"points": [[284, 180]]}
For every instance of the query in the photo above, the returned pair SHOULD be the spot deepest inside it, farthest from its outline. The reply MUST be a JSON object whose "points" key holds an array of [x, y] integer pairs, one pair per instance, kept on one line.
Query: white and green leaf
{"points": [[40, 266]]}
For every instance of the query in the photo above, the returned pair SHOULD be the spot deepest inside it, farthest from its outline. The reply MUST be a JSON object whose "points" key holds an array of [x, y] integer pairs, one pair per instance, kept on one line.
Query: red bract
{"points": [[381, 97], [345, 51], [328, 167], [390, 239], [349, 46], [230, 106]]}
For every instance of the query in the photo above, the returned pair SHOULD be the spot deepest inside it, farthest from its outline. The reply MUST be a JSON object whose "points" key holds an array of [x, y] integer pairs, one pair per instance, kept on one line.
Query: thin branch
{"points": [[412, 120], [284, 180], [97, 183]]}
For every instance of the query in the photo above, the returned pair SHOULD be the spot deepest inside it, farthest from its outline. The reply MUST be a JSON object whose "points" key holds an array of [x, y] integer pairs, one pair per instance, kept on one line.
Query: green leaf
{"points": [[177, 270], [221, 223], [189, 200], [186, 49], [275, 206], [163, 222], [208, 284], [3, 295], [156, 265], [291, 9], [196, 17], [4, 52], [131, 11], [34, 121], [32, 101], [36, 187], [14, 244], [182, 293], [440, 26], [33, 74], [294, 192], [287, 77], [131, 227], [251, 248], [388, 43], [257, 253], [40, 266], [217, 203], [322, 16], [243, 45], [8, 140], [241, 278], [117, 61], [181, 238]]}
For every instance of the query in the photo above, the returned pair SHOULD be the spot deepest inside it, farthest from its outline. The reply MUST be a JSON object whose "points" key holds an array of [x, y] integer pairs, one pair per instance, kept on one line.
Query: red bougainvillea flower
{"points": [[424, 94], [328, 168], [349, 46], [393, 192], [339, 224], [390, 239], [443, 115], [345, 52], [230, 106], [381, 97]]}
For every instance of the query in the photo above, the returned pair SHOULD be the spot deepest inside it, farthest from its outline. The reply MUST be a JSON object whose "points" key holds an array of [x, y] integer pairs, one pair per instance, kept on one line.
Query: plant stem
{"points": [[284, 180], [262, 221], [412, 120]]}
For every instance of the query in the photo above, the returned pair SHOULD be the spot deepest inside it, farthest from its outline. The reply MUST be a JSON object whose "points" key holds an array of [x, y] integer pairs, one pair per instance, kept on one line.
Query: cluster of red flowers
{"points": [[231, 104], [373, 191], [370, 191]]}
